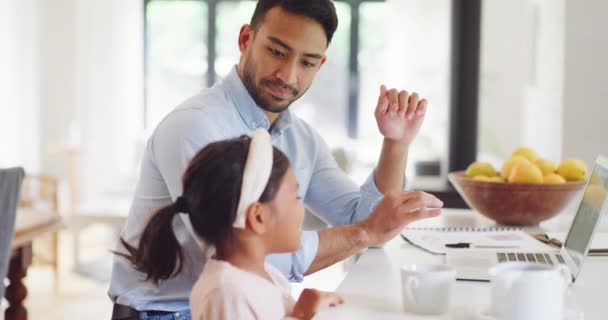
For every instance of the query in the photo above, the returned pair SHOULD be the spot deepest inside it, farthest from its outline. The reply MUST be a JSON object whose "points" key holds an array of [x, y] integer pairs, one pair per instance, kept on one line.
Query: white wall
{"points": [[19, 87], [544, 91], [108, 89], [543, 78], [521, 77], [56, 79], [502, 75], [585, 119], [417, 58], [71, 64]]}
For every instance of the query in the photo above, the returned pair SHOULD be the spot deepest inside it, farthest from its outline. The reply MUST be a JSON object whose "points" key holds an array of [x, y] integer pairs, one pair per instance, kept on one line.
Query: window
{"points": [[403, 43], [231, 15], [176, 50], [406, 44], [329, 111]]}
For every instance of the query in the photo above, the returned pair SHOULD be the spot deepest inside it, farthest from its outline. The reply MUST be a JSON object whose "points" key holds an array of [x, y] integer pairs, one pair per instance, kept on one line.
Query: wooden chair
{"points": [[40, 194]]}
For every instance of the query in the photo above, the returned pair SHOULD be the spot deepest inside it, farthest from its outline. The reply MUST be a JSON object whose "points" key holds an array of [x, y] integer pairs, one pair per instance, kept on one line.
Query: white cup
{"points": [[526, 291], [427, 288]]}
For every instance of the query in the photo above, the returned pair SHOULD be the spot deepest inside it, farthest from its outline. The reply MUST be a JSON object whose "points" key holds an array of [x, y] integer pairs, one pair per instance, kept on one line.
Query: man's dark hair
{"points": [[321, 11]]}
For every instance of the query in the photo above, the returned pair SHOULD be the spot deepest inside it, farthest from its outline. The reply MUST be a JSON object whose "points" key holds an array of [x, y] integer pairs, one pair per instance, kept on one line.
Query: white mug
{"points": [[427, 288], [525, 291]]}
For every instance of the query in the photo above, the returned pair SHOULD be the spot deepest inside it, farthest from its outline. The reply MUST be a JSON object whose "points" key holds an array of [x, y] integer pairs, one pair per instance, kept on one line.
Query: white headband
{"points": [[256, 174]]}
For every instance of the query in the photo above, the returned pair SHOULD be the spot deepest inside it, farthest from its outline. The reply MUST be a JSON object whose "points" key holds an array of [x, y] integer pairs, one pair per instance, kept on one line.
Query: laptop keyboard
{"points": [[540, 258]]}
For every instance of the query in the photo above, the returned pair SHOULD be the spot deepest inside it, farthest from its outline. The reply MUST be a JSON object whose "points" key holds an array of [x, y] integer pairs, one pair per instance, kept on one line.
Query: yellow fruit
{"points": [[525, 172], [572, 170], [553, 178], [481, 178], [527, 153], [496, 179], [509, 164], [595, 196], [480, 169], [546, 166]]}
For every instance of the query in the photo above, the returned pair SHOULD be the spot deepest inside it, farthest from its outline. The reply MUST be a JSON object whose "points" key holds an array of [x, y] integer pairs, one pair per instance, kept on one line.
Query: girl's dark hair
{"points": [[321, 11], [212, 188]]}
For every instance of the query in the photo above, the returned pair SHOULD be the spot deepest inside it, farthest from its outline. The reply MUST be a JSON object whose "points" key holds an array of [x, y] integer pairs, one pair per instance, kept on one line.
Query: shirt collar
{"points": [[251, 114]]}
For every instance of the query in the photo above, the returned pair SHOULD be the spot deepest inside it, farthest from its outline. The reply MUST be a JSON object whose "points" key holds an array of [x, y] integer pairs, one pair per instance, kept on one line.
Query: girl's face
{"points": [[288, 216]]}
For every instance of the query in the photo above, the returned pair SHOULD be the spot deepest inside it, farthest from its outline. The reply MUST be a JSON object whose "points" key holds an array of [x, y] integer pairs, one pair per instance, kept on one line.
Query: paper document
{"points": [[440, 242]]}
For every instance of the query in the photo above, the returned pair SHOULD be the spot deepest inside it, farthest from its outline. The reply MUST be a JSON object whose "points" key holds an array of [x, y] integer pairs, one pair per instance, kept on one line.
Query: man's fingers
{"points": [[412, 105], [382, 105], [382, 94], [421, 108], [403, 98], [422, 199], [419, 204], [383, 90], [393, 97], [399, 197], [412, 200], [423, 214]]}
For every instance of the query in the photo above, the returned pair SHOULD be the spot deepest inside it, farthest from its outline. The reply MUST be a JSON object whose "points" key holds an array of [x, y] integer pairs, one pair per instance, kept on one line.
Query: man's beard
{"points": [[255, 92]]}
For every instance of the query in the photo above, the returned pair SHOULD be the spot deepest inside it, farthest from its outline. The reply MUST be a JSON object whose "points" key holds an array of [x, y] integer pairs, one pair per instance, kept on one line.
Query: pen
{"points": [[466, 245], [598, 252], [459, 245]]}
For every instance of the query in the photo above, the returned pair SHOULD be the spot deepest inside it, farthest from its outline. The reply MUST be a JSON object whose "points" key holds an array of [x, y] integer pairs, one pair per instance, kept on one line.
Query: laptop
{"points": [[474, 265]]}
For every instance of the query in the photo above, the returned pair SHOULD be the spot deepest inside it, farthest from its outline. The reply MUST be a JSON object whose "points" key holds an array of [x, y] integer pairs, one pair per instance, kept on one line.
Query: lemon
{"points": [[545, 165], [480, 169], [572, 170], [509, 164], [553, 178], [481, 178], [496, 179], [527, 153], [525, 172]]}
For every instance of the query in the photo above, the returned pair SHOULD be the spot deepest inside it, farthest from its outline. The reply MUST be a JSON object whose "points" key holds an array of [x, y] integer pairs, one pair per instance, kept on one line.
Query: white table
{"points": [[372, 287]]}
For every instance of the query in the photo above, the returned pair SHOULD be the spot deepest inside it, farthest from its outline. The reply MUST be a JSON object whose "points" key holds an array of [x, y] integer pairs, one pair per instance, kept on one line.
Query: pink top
{"points": [[224, 291]]}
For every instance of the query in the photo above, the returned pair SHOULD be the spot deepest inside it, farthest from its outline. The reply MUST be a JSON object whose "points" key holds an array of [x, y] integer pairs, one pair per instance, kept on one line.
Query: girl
{"points": [[241, 196]]}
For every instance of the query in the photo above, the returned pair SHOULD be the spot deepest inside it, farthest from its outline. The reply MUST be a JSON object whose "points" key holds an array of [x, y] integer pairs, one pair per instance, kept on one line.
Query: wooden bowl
{"points": [[515, 203]]}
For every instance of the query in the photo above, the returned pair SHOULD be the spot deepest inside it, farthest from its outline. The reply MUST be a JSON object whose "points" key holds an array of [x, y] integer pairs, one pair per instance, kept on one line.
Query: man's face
{"points": [[280, 59]]}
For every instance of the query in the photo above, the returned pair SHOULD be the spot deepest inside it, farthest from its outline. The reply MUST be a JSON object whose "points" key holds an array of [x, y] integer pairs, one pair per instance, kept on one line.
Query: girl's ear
{"points": [[258, 218]]}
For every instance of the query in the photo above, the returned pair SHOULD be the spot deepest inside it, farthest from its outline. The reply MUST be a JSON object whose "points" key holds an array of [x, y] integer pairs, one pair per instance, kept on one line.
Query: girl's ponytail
{"points": [[158, 252]]}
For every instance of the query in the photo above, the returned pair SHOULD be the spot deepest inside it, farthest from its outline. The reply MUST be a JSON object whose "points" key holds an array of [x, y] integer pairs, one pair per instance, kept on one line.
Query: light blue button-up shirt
{"points": [[225, 111]]}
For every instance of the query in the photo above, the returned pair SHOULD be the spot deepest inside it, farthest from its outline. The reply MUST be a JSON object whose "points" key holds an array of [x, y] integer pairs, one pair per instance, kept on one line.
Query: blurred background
{"points": [[84, 82]]}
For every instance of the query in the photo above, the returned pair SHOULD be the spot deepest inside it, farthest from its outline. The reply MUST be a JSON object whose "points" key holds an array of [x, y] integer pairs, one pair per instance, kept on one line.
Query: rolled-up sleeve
{"points": [[293, 265], [333, 196], [370, 196]]}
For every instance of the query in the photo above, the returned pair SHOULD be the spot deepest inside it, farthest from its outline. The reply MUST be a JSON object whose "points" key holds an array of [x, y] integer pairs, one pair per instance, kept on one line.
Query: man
{"points": [[281, 52]]}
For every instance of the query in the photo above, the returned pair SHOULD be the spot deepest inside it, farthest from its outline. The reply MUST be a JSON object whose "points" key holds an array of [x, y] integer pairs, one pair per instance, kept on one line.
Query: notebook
{"points": [[442, 240]]}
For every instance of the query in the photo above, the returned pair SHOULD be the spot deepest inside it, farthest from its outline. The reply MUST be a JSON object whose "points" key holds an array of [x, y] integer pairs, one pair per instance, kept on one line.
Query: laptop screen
{"points": [[591, 208]]}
